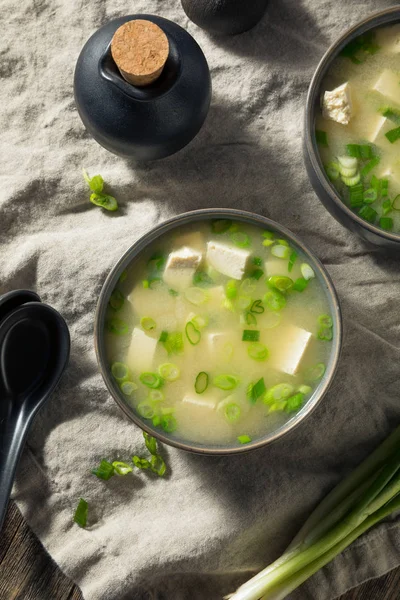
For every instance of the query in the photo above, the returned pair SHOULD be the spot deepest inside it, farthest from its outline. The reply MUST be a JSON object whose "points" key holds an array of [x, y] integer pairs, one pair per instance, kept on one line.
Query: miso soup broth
{"points": [[218, 333], [358, 126]]}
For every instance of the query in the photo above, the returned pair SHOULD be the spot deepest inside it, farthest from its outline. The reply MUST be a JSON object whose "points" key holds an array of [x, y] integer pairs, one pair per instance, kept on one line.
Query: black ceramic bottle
{"points": [[150, 122]]}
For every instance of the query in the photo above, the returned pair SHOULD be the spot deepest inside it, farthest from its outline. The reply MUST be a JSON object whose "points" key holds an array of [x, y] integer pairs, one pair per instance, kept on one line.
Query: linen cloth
{"points": [[213, 522]]}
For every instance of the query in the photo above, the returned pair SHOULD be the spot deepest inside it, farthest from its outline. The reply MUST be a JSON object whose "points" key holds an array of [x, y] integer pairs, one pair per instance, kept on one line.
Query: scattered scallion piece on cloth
{"points": [[81, 513], [151, 443], [141, 463], [104, 471], [365, 497], [121, 468], [96, 185]]}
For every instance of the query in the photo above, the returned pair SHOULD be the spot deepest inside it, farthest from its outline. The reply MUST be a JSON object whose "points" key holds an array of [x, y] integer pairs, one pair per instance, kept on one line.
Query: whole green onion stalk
{"points": [[368, 495]]}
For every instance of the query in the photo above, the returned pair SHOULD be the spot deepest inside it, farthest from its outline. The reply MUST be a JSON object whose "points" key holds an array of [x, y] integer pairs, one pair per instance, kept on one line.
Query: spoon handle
{"points": [[13, 432]]}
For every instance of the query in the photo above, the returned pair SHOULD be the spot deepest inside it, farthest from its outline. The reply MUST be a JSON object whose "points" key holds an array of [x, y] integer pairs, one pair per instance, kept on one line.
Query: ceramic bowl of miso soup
{"points": [[352, 129], [218, 331]]}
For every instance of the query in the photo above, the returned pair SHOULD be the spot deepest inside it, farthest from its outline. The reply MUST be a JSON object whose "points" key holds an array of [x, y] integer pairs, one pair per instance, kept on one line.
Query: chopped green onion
{"points": [[386, 223], [353, 150], [300, 284], [257, 351], [281, 391], [123, 276], [201, 383], [121, 468], [117, 326], [243, 302], [156, 262], [163, 337], [240, 239], [250, 335], [151, 443], [168, 423], [156, 395], [145, 410], [280, 251], [315, 373], [192, 333], [156, 420], [396, 202], [119, 371], [368, 213], [232, 412], [250, 319], [369, 196], [351, 181], [256, 274], [277, 406], [307, 271], [244, 439], [283, 242], [280, 282], [292, 260], [141, 463], [145, 283], [369, 166], [220, 226], [325, 321], [105, 201], [257, 261], [96, 183], [225, 382], [386, 207], [200, 321], [393, 114], [155, 283], [116, 300], [275, 300], [201, 278], [257, 307], [104, 471], [321, 137], [157, 465], [384, 184], [247, 287], [304, 389], [81, 513], [349, 163], [128, 387], [231, 289], [393, 135], [148, 323], [196, 295], [325, 333], [256, 390], [375, 183], [173, 292], [152, 380], [333, 171], [174, 343]]}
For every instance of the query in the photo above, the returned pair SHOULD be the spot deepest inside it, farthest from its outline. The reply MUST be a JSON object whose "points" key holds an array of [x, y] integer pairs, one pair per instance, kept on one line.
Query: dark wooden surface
{"points": [[28, 573]]}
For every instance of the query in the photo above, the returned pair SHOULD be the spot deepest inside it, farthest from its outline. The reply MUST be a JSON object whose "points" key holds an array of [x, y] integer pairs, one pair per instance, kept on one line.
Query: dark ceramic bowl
{"points": [[320, 182], [142, 244]]}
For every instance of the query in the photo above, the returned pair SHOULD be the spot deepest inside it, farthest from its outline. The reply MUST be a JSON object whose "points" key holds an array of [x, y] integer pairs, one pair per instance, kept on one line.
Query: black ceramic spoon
{"points": [[34, 351]]}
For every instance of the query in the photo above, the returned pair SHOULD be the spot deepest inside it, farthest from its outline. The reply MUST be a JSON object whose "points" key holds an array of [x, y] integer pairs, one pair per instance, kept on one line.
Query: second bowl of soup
{"points": [[352, 130], [218, 331]]}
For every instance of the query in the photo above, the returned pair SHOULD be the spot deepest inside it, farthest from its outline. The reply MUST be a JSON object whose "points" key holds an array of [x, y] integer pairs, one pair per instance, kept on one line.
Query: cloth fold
{"points": [[213, 522]]}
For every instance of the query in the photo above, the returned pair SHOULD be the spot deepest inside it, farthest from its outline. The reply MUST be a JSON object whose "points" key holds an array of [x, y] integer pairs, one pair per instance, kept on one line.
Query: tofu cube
{"points": [[337, 105], [290, 349], [180, 268], [197, 401], [388, 85], [379, 126], [141, 351], [228, 260], [276, 266]]}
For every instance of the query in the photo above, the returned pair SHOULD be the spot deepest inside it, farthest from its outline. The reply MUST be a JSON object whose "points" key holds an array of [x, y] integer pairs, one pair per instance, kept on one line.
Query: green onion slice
{"points": [[151, 443], [393, 135], [321, 137], [244, 439], [220, 226], [81, 513], [257, 274], [128, 387], [257, 307], [148, 323], [275, 300], [300, 284], [307, 271], [145, 410], [294, 402], [257, 261], [158, 465], [201, 278], [117, 326], [105, 201], [226, 382], [232, 412], [163, 337], [156, 395], [247, 287], [257, 351], [152, 380], [325, 321], [120, 371], [174, 343], [386, 223], [243, 302], [280, 282], [121, 468], [281, 391], [250, 319], [250, 335], [104, 471], [231, 289], [256, 390], [201, 383], [325, 333], [141, 463], [280, 251], [116, 300], [240, 239], [96, 183], [292, 259], [192, 333], [200, 321], [369, 196], [169, 371], [314, 373], [168, 423], [196, 295]]}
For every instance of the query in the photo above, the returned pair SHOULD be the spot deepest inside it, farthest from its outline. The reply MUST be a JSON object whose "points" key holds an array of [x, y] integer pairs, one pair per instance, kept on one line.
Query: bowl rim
{"points": [[377, 19], [185, 219]]}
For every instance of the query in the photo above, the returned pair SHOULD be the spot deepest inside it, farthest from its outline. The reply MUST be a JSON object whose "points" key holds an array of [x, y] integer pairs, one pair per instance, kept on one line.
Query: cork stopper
{"points": [[140, 49]]}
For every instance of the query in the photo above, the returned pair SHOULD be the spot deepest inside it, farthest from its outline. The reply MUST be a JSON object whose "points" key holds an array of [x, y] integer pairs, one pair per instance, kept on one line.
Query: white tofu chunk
{"points": [[276, 266], [337, 105], [141, 351], [180, 268], [290, 349], [388, 85], [379, 125], [228, 260], [196, 400]]}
